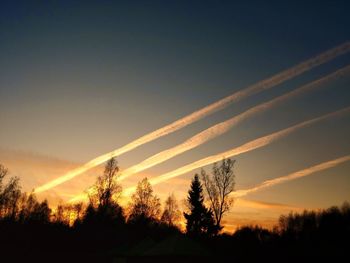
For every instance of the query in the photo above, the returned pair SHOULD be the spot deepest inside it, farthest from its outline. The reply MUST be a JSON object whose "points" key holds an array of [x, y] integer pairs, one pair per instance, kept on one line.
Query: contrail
{"points": [[197, 115], [225, 126], [292, 176], [249, 146]]}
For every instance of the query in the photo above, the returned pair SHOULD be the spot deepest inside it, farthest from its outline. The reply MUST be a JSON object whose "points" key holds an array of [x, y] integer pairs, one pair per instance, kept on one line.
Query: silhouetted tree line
{"points": [[104, 231]]}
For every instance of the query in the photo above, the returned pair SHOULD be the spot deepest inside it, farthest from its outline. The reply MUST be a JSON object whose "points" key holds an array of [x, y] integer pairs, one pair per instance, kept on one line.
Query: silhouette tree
{"points": [[78, 209], [34, 211], [199, 219], [10, 194], [144, 204], [41, 212], [67, 214], [27, 226], [218, 187], [171, 214], [60, 215], [106, 189], [3, 173], [104, 195], [28, 205]]}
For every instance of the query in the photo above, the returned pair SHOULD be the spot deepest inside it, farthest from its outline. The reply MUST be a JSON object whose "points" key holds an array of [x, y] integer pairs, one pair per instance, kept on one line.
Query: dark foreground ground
{"points": [[322, 236], [250, 244]]}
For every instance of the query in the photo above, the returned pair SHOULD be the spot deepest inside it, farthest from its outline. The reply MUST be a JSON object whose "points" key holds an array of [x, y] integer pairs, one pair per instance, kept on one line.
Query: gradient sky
{"points": [[79, 79]]}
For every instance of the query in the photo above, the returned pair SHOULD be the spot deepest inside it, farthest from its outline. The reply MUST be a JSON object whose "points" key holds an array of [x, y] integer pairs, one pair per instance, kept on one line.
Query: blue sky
{"points": [[81, 78]]}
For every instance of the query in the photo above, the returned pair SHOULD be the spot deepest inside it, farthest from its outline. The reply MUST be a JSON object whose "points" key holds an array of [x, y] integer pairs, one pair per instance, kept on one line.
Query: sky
{"points": [[79, 79]]}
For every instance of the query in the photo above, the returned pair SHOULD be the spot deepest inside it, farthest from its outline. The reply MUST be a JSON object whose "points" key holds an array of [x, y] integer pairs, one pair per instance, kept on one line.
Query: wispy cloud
{"points": [[250, 212], [197, 115], [33, 169], [241, 202]]}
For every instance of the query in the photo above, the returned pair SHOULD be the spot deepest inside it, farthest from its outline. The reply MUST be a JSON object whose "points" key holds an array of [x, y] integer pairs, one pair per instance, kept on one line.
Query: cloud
{"points": [[251, 212], [33, 169], [197, 115], [258, 210], [241, 202]]}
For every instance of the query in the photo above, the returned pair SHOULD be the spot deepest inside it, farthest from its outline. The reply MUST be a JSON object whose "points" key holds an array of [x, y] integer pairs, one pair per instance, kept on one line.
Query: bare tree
{"points": [[78, 208], [10, 194], [171, 214], [144, 203], [31, 210], [3, 173], [28, 203], [60, 216], [218, 187], [66, 214], [42, 212], [106, 189]]}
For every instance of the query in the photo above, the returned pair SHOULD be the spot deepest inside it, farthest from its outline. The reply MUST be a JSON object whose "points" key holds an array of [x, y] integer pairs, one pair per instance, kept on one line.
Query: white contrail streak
{"points": [[225, 126], [292, 176], [249, 146], [197, 115]]}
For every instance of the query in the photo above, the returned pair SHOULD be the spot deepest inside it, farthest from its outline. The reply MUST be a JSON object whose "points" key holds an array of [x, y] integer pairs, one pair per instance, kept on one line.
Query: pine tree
{"points": [[200, 220]]}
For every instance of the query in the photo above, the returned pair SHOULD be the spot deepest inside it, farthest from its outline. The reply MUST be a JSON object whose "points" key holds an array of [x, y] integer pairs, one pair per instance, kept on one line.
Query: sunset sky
{"points": [[80, 79]]}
